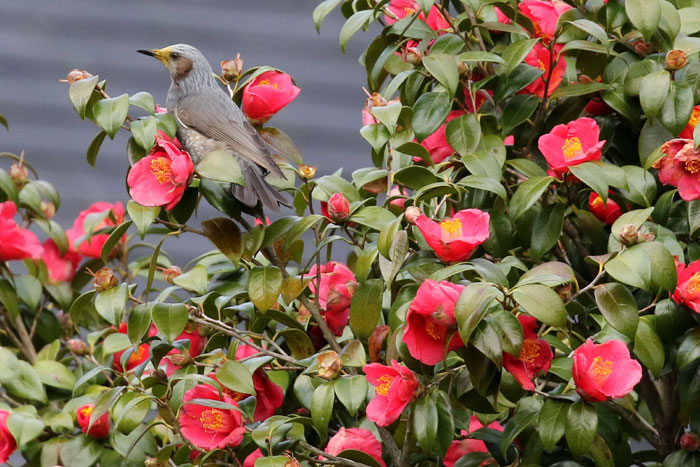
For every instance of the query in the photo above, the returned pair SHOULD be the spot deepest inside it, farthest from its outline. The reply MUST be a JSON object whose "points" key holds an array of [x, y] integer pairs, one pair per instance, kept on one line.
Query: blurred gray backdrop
{"points": [[41, 40]]}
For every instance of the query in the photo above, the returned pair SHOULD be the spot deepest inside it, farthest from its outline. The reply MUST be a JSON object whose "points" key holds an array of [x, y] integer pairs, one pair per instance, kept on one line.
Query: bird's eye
{"points": [[175, 55]]}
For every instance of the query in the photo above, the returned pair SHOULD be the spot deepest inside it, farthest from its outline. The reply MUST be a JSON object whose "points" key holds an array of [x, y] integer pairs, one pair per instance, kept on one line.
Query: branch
{"points": [[334, 460]]}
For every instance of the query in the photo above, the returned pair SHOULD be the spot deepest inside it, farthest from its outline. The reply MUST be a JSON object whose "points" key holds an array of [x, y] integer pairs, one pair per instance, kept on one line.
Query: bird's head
{"points": [[181, 61]]}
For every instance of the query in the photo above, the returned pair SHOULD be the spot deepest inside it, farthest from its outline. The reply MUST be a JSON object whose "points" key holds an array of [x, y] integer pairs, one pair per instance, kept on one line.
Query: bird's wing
{"points": [[215, 116]]}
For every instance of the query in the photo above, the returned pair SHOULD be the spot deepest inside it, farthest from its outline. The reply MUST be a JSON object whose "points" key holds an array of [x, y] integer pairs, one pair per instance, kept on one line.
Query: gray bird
{"points": [[208, 120]]}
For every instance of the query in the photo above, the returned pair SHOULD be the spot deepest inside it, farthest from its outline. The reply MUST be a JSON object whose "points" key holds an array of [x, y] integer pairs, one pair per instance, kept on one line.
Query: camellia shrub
{"points": [[514, 280]]}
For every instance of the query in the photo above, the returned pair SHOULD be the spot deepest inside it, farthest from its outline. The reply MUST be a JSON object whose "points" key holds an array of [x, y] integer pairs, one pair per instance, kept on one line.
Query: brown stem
{"points": [[183, 227], [24, 337], [333, 459]]}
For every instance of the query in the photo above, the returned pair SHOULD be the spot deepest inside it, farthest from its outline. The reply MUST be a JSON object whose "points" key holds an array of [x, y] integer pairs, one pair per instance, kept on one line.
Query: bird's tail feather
{"points": [[257, 189]]}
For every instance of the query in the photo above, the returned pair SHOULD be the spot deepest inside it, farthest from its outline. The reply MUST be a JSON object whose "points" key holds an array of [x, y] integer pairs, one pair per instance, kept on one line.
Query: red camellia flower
{"points": [[456, 238], [687, 132], [431, 319], [544, 16], [437, 144], [338, 283], [603, 371], [93, 246], [207, 427], [540, 57], [252, 457], [61, 268], [100, 429], [16, 242], [535, 355], [191, 334], [459, 448], [394, 385], [688, 289], [359, 439], [597, 108], [8, 445], [160, 178], [607, 212], [137, 357], [399, 9], [267, 94], [680, 167], [571, 144]]}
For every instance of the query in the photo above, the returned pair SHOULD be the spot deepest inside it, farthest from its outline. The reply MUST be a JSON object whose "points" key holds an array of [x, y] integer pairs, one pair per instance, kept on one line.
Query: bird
{"points": [[209, 120]]}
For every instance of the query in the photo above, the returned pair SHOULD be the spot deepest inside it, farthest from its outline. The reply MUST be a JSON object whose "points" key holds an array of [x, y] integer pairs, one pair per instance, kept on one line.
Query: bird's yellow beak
{"points": [[161, 54]]}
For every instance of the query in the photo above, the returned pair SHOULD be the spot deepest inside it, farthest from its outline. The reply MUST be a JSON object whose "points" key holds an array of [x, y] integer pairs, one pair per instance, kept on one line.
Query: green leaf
{"points": [[264, 286], [144, 131], [580, 89], [476, 56], [552, 422], [114, 237], [8, 298], [111, 303], [646, 266], [471, 307], [28, 290], [486, 184], [425, 423], [272, 461], [516, 53], [145, 101], [54, 374], [235, 376], [298, 341], [94, 148], [111, 113], [139, 322], [653, 90], [24, 427], [618, 306], [581, 427], [430, 111], [690, 20], [195, 279], [463, 134], [351, 392], [541, 302], [546, 229], [527, 195], [648, 347], [388, 115], [322, 407], [352, 25], [80, 92], [518, 109], [3, 122], [509, 330], [636, 218], [81, 451], [415, 176], [366, 306], [142, 216], [24, 382], [525, 414], [592, 175], [444, 68], [693, 216], [677, 107], [374, 217], [594, 29], [8, 186], [226, 236], [644, 15], [221, 166], [641, 184], [322, 10], [170, 318]]}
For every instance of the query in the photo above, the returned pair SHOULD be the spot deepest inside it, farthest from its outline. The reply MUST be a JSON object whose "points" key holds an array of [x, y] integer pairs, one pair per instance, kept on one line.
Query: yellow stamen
{"points": [[451, 230], [541, 65], [692, 166], [266, 82], [529, 351], [383, 388], [692, 285], [86, 411], [572, 147], [598, 202], [694, 118], [434, 331], [601, 369], [212, 420], [160, 168]]}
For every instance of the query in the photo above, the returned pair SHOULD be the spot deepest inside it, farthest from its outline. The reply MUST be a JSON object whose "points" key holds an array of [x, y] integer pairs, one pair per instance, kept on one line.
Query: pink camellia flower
{"points": [[8, 444], [509, 140], [607, 212], [338, 283], [394, 386], [338, 208], [252, 457], [359, 439], [160, 178], [456, 238], [399, 9], [437, 144], [16, 242], [544, 16], [535, 355], [207, 427], [688, 288], [687, 132], [571, 144], [93, 246], [501, 17], [191, 334], [540, 57], [267, 94], [431, 320], [100, 429], [603, 371], [61, 268], [137, 357], [398, 193], [680, 167], [462, 447]]}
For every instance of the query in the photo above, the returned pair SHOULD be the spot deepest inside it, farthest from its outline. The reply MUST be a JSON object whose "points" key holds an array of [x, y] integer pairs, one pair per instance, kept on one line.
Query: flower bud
{"points": [[463, 69], [291, 462], [47, 209], [641, 47], [303, 315], [231, 69], [76, 75], [329, 364], [182, 359], [690, 442], [628, 235], [65, 322], [18, 174], [307, 171], [338, 208], [169, 274], [412, 213], [375, 186], [564, 291], [412, 55], [78, 347], [153, 462], [160, 375], [676, 59], [104, 279]]}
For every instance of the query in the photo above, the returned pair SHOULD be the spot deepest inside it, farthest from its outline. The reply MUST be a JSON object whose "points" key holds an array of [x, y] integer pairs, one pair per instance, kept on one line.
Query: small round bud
{"points": [[160, 375], [375, 186], [412, 55], [690, 442], [153, 462], [169, 274], [338, 208], [641, 47], [412, 213], [329, 364], [76, 75], [307, 171], [564, 292], [303, 315], [291, 462], [676, 59], [104, 279], [19, 174], [78, 347], [181, 359], [231, 69], [47, 209], [629, 235]]}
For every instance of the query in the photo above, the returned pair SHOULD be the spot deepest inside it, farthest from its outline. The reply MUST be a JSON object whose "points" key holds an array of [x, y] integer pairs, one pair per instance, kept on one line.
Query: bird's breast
{"points": [[198, 145]]}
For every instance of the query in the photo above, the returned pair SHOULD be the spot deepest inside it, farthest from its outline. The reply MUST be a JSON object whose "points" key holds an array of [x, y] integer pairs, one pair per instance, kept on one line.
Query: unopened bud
{"points": [[412, 55], [329, 364], [412, 213], [231, 69], [160, 375], [628, 235], [690, 442], [303, 315], [64, 321], [153, 462], [47, 209], [564, 292], [78, 347], [181, 359], [291, 462], [463, 69], [104, 279], [307, 171], [19, 174], [169, 274], [641, 47], [676, 59], [76, 75], [338, 208], [375, 186]]}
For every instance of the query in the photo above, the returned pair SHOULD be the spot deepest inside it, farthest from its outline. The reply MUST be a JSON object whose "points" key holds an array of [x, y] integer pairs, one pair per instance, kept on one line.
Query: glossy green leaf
{"points": [[80, 92], [648, 347], [581, 427], [221, 166], [322, 10], [110, 303], [463, 134], [356, 22], [430, 111], [618, 306], [541, 302], [226, 236], [143, 216], [351, 392], [644, 15], [144, 132], [264, 286], [552, 422], [111, 113], [526, 195], [471, 306], [654, 90], [170, 318], [322, 407], [444, 68], [366, 306], [518, 109], [425, 423], [195, 279], [546, 229], [236, 377]]}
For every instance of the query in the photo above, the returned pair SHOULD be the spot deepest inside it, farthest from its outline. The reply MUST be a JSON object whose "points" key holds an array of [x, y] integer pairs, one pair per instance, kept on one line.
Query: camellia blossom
{"points": [[190, 334], [267, 94], [607, 212], [687, 132], [455, 239], [16, 242], [137, 357], [603, 371], [688, 288], [597, 108], [436, 144], [338, 283], [399, 9], [459, 448], [61, 267], [535, 355], [431, 319], [100, 429], [394, 387], [252, 457], [208, 427], [338, 208], [160, 178], [92, 247], [680, 167], [571, 144], [544, 16], [359, 439], [540, 57], [8, 444]]}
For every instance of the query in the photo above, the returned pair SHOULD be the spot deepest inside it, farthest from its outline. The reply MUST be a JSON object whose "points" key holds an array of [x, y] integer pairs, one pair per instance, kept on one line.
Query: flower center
{"points": [[266, 82], [572, 147], [529, 351], [212, 420], [451, 230], [541, 65], [601, 369], [409, 10], [86, 411], [434, 330], [694, 118], [160, 168], [692, 166], [597, 202], [383, 388], [692, 285], [138, 354]]}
